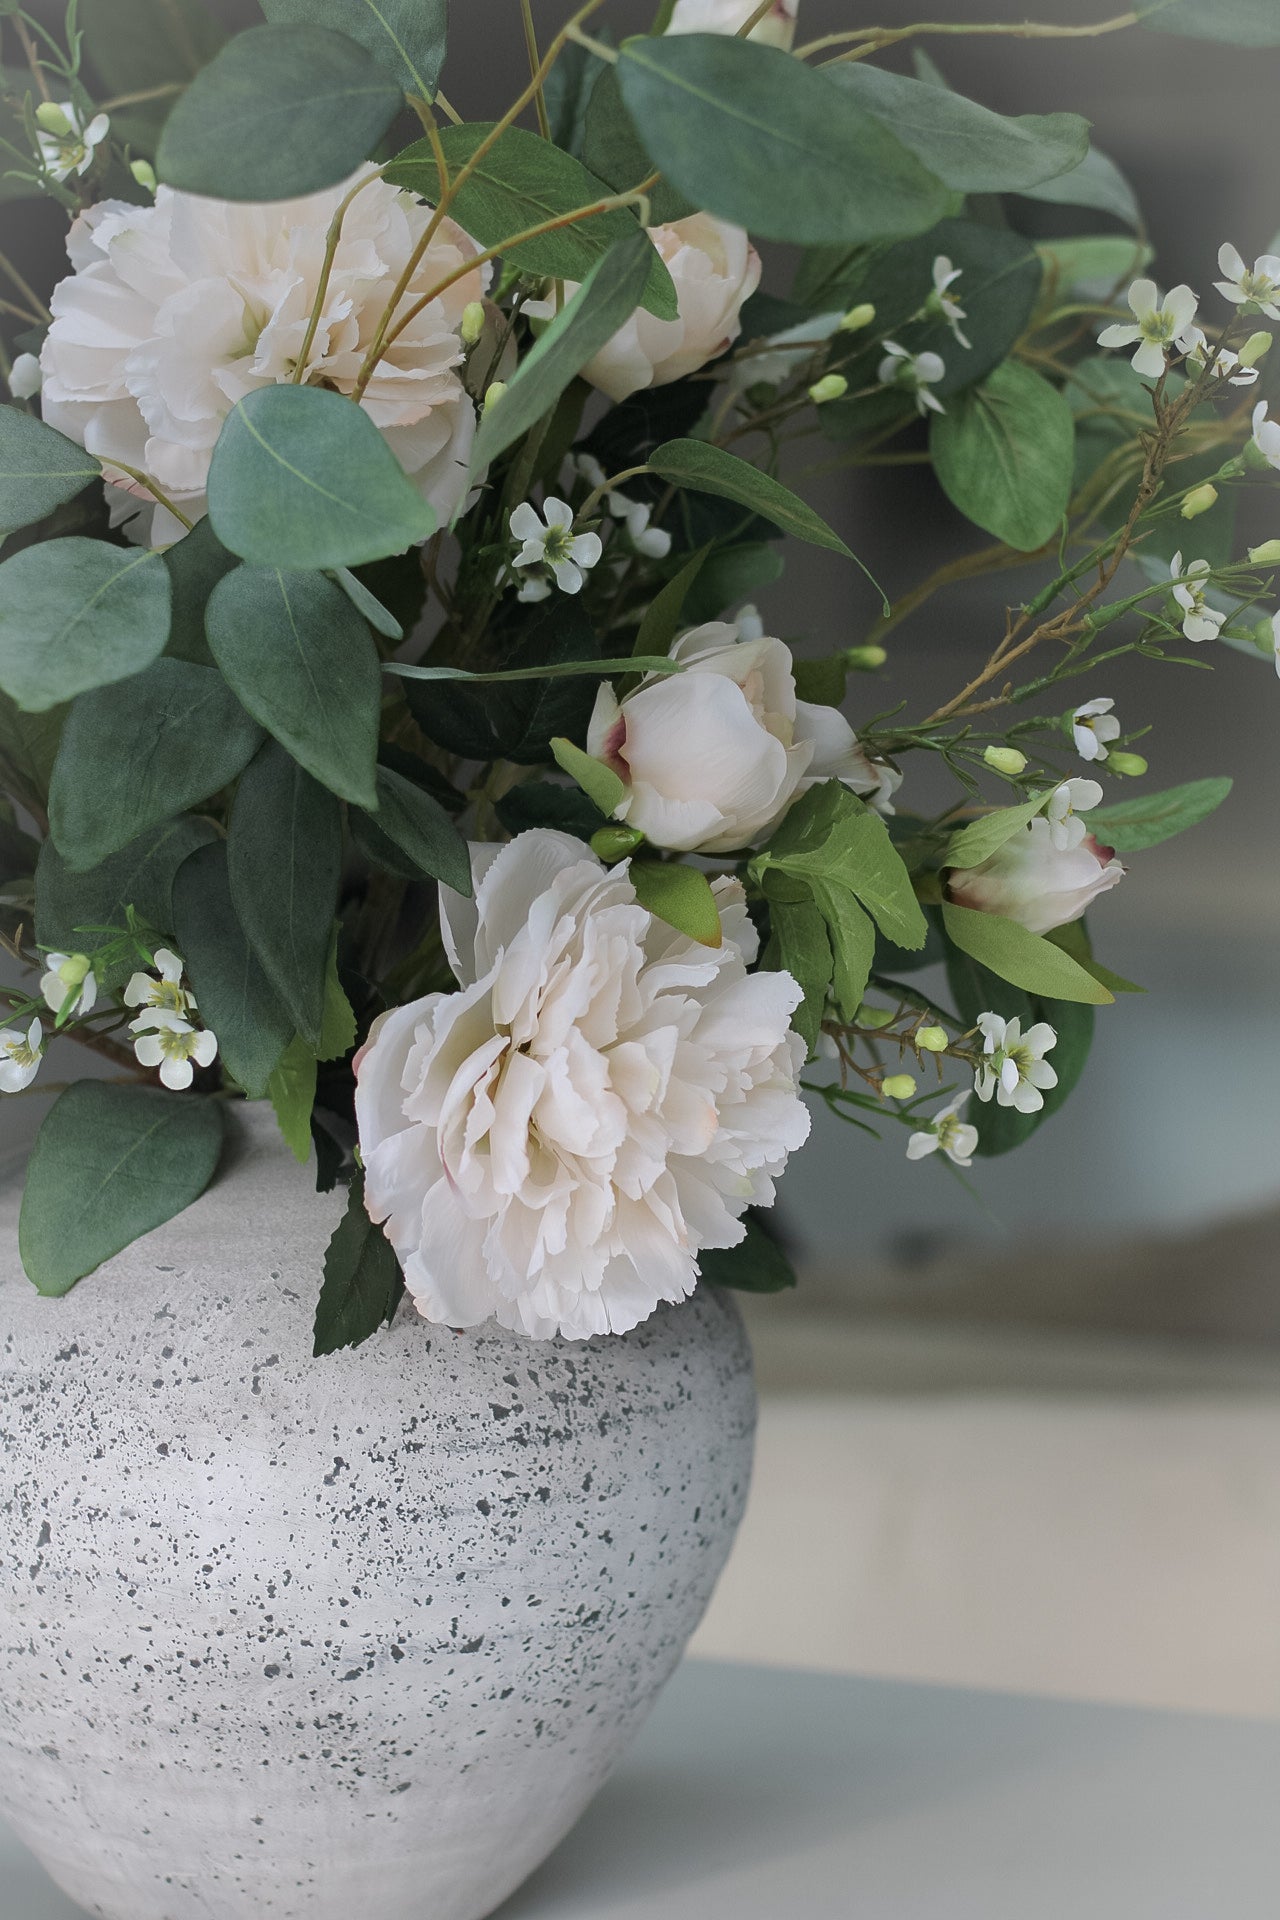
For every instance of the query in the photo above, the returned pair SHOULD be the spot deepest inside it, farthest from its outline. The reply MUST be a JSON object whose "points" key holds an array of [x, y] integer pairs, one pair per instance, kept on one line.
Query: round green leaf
{"points": [[407, 37], [76, 614], [39, 469], [280, 112], [759, 138], [302, 478], [73, 909], [1004, 453], [301, 660]]}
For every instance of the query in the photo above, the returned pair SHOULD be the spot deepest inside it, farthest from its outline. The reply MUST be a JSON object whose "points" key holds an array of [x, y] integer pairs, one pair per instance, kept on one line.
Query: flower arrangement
{"points": [[387, 728]]}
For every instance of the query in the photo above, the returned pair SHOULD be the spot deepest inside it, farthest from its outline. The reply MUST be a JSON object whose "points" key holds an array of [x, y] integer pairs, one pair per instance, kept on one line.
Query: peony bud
{"points": [[932, 1039], [898, 1086], [1131, 764], [776, 29], [857, 318], [611, 844], [1267, 555], [873, 1017], [1036, 883], [1255, 347], [472, 324], [144, 173], [1199, 500], [832, 386], [863, 659], [24, 377], [51, 119], [1005, 760]]}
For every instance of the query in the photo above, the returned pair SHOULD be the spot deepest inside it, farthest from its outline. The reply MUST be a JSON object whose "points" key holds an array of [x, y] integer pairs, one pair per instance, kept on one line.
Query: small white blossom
{"points": [[1158, 325], [957, 1139], [554, 545], [20, 1056], [1266, 435], [1065, 805], [917, 372], [635, 516], [1199, 620], [65, 153], [1015, 1069], [1226, 365], [166, 993], [69, 985], [945, 276], [1275, 639], [1092, 726], [167, 1041], [24, 377], [1258, 285]]}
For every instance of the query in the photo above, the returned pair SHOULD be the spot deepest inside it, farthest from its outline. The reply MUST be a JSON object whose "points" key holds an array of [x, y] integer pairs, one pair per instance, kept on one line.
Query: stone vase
{"points": [[284, 1637]]}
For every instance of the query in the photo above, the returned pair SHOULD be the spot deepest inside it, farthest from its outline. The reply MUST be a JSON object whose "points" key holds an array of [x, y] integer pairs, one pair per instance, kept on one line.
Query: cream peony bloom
{"points": [[1036, 883], [716, 270], [777, 29], [713, 757], [554, 1145], [176, 310]]}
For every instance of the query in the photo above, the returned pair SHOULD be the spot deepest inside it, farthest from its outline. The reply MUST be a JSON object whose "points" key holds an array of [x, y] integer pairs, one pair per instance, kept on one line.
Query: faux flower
{"points": [[1275, 639], [1200, 621], [653, 542], [1266, 435], [68, 984], [24, 377], [1257, 286], [1036, 883], [946, 1130], [20, 1056], [1062, 812], [777, 29], [164, 989], [713, 756], [917, 372], [167, 1041], [67, 144], [945, 276], [780, 356], [1014, 1068], [1093, 726], [1226, 365], [716, 270], [554, 545], [1158, 325], [555, 1145], [176, 310]]}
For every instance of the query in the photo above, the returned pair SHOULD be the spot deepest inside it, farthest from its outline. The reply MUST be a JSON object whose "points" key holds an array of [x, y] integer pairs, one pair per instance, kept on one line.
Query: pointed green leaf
{"points": [[978, 841], [39, 469], [707, 469], [416, 823], [613, 149], [801, 946], [363, 1284], [679, 895], [1026, 960], [756, 1265], [407, 37], [76, 614], [291, 1090], [235, 998], [1149, 818], [1096, 183], [601, 784], [338, 1021], [380, 618]]}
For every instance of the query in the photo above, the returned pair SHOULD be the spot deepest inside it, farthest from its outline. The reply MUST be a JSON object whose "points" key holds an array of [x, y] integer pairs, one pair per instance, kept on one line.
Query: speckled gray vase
{"points": [[283, 1637]]}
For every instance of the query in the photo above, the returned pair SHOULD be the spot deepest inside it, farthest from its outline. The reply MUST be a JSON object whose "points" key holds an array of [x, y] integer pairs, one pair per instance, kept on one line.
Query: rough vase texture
{"points": [[284, 1637]]}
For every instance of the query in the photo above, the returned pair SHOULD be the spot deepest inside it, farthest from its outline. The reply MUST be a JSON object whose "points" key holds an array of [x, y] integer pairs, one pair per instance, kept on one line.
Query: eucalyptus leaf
{"points": [[284, 852], [1004, 455], [368, 606], [73, 909], [195, 565], [407, 37], [109, 1164], [680, 896], [1241, 23], [1096, 183], [613, 148], [363, 1284], [551, 670], [707, 469], [1026, 960], [280, 112], [139, 752], [416, 823], [136, 45], [234, 996], [301, 478], [302, 661], [758, 138], [76, 614], [1130, 826], [39, 469]]}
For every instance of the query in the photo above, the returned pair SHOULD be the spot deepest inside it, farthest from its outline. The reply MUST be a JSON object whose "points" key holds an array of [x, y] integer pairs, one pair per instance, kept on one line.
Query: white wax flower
{"points": [[653, 542], [68, 985], [176, 310], [24, 377], [554, 1145], [1158, 325], [164, 1040], [1258, 285], [20, 1056], [1036, 883], [917, 372], [1093, 727], [945, 277], [712, 757], [163, 989], [946, 1130], [1266, 435], [550, 542], [1063, 809], [1014, 1068], [716, 270], [70, 148], [1226, 365], [1200, 621], [777, 29]]}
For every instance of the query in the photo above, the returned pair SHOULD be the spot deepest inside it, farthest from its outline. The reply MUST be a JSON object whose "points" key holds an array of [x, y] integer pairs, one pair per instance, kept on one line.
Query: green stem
{"points": [[873, 39], [531, 45]]}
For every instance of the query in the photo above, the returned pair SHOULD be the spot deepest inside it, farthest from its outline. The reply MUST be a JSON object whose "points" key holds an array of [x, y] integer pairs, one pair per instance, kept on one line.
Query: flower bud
{"points": [[932, 1039], [857, 318], [898, 1086], [74, 969], [494, 392], [1253, 459], [1254, 348], [1005, 760], [1199, 500], [51, 119], [615, 843], [863, 659], [472, 325], [1131, 764], [144, 173], [1264, 639], [869, 1016], [24, 377], [1266, 555], [832, 386]]}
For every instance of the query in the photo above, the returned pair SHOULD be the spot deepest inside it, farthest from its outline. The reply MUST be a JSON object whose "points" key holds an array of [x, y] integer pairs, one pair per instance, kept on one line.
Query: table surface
{"points": [[755, 1793]]}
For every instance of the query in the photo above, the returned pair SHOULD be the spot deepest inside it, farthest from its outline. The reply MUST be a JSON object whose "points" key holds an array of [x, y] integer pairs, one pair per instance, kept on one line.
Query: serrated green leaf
{"points": [[407, 37], [602, 786], [39, 469], [363, 1284], [235, 998], [1026, 960], [76, 614], [338, 1020], [291, 1089], [680, 896], [1004, 455], [1130, 826], [801, 946]]}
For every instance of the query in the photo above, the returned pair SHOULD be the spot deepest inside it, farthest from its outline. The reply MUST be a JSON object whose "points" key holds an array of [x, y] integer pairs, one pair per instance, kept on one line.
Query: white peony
{"points": [[713, 757], [176, 310], [716, 270], [554, 1145], [777, 29], [1037, 883]]}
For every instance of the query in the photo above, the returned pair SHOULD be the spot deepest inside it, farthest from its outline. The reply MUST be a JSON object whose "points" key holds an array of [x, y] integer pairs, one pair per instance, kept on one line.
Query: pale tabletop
{"points": [[755, 1794]]}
